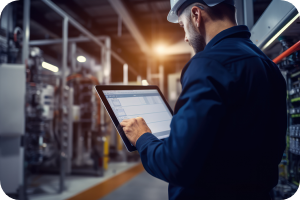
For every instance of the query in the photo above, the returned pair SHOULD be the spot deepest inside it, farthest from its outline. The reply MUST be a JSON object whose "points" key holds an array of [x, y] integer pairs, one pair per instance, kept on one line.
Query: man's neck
{"points": [[215, 28]]}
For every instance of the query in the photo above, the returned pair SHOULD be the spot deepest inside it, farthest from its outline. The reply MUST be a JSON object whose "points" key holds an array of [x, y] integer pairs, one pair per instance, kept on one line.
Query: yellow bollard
{"points": [[106, 152], [120, 143]]}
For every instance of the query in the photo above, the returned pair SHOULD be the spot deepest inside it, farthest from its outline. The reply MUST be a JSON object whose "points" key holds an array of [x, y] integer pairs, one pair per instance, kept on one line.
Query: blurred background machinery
{"points": [[52, 120], [12, 78], [279, 40], [52, 54]]}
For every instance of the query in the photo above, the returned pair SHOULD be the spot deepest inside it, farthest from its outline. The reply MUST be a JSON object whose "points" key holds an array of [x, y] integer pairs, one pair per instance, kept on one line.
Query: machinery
{"points": [[174, 88], [290, 165], [11, 133], [74, 129], [12, 78], [279, 39], [50, 120], [10, 36]]}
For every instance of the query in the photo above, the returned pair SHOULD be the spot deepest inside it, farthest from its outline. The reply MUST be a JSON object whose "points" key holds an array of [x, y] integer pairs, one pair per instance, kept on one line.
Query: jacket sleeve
{"points": [[180, 158]]}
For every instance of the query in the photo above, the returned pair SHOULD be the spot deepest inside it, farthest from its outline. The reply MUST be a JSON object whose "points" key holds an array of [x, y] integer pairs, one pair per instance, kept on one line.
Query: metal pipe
{"points": [[73, 57], [26, 31], [64, 52], [295, 47], [161, 78], [128, 21], [70, 131], [81, 28], [239, 12], [248, 13], [62, 172], [139, 79], [125, 74], [149, 67], [62, 100], [59, 41], [106, 62], [120, 26], [25, 55]]}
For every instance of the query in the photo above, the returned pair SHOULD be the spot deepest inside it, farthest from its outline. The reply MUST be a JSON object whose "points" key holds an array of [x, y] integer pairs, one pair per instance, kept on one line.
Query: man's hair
{"points": [[216, 12]]}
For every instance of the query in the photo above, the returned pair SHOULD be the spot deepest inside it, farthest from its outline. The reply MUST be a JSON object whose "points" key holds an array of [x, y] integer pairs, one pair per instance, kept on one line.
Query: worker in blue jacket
{"points": [[228, 129]]}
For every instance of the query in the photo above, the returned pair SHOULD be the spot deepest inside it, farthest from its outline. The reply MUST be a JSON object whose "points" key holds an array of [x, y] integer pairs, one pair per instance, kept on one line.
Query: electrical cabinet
{"points": [[12, 125], [12, 99]]}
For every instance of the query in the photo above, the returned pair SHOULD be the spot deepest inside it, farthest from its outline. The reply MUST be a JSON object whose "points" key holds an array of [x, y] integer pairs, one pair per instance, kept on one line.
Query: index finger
{"points": [[123, 123]]}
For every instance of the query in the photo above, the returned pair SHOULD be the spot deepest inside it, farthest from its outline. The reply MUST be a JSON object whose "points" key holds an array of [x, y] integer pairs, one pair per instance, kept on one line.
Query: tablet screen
{"points": [[148, 104]]}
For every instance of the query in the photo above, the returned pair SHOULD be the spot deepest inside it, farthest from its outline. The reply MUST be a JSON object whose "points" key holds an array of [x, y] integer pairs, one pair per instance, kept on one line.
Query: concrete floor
{"points": [[141, 187], [46, 186]]}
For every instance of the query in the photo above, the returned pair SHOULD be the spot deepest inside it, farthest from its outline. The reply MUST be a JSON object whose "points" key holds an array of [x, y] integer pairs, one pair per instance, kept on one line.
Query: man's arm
{"points": [[179, 159]]}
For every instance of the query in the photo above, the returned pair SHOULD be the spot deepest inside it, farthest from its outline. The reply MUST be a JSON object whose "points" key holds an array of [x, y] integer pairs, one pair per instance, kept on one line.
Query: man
{"points": [[228, 129]]}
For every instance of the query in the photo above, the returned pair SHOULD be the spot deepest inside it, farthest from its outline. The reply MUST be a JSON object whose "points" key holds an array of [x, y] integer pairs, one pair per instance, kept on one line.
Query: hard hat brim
{"points": [[172, 17]]}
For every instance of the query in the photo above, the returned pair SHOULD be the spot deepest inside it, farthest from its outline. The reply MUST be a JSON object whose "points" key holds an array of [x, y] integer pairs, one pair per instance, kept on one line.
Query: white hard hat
{"points": [[176, 4]]}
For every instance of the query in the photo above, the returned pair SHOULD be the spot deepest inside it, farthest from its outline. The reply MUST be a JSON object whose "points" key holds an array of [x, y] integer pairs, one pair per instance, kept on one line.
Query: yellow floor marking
{"points": [[106, 187]]}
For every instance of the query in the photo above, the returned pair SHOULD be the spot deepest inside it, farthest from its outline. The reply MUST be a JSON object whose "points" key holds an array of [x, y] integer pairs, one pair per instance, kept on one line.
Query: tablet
{"points": [[126, 102]]}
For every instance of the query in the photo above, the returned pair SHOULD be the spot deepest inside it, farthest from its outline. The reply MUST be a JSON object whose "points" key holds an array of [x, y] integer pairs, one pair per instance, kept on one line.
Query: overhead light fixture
{"points": [[160, 49], [81, 59], [50, 67], [145, 82], [280, 32], [106, 72]]}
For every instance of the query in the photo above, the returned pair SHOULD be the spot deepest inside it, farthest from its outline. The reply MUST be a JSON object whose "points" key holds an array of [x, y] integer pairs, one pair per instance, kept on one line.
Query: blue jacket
{"points": [[228, 129]]}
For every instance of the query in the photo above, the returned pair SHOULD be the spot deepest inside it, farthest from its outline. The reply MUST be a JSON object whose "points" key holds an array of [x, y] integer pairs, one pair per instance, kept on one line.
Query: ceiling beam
{"points": [[154, 1], [93, 26], [130, 24], [41, 22]]}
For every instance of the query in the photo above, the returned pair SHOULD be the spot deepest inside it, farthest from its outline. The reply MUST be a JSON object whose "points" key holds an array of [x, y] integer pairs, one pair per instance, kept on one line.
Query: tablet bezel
{"points": [[100, 88]]}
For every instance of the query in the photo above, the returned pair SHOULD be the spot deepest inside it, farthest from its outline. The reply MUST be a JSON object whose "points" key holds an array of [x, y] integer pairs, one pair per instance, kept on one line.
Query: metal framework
{"points": [[87, 33], [294, 48], [59, 41], [26, 21], [275, 17], [132, 27], [245, 13], [105, 77]]}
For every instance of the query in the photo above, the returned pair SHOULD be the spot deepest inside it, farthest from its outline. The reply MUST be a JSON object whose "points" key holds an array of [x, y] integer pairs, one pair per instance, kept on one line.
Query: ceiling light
{"points": [[160, 49], [145, 82], [49, 67], [280, 32], [106, 72], [81, 59]]}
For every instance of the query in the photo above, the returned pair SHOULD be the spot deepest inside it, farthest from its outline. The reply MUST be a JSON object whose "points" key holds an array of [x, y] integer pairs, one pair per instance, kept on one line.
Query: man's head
{"points": [[202, 22]]}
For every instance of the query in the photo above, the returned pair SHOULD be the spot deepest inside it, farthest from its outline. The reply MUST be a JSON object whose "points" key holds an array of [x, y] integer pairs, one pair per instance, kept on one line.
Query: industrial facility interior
{"points": [[57, 141]]}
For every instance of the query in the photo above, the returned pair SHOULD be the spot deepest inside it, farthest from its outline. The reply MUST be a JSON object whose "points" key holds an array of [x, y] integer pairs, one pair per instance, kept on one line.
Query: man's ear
{"points": [[196, 15]]}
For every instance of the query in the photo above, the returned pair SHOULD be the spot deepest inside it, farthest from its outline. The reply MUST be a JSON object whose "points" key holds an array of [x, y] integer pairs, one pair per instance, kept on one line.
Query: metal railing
{"points": [[294, 48]]}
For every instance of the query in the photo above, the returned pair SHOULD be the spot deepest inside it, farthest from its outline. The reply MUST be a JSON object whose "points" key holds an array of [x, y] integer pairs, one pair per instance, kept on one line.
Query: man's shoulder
{"points": [[230, 51], [202, 67], [233, 60]]}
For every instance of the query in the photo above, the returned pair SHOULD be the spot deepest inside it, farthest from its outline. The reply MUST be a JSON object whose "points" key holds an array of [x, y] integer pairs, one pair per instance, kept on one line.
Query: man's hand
{"points": [[134, 128]]}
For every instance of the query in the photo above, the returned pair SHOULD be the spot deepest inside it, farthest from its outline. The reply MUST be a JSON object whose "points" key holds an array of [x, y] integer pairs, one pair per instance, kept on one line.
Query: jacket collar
{"points": [[241, 30], [235, 31]]}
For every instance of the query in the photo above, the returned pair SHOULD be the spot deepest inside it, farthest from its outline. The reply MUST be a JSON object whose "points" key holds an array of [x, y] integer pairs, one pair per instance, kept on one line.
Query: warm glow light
{"points": [[160, 49], [81, 59], [106, 72], [49, 67], [280, 32], [145, 82]]}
